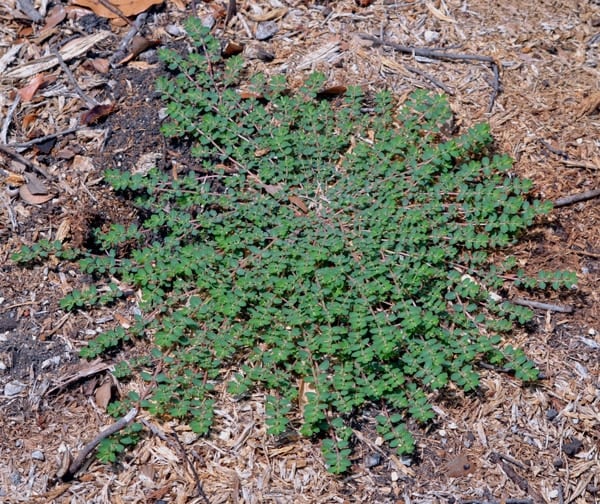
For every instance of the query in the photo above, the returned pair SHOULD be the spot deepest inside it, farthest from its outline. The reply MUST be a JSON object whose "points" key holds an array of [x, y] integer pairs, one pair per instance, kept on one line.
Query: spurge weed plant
{"points": [[334, 253]]}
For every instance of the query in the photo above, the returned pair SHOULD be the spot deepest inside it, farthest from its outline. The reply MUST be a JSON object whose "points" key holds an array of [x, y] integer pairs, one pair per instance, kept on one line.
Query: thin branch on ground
{"points": [[88, 448], [576, 198], [116, 11], [231, 11], [122, 50], [543, 306], [8, 118], [90, 102], [23, 160], [562, 154], [166, 438], [35, 141], [588, 254], [431, 79], [425, 52], [506, 501], [579, 164]]}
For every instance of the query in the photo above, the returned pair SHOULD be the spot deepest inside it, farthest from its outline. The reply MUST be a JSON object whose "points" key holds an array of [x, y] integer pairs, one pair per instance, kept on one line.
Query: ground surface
{"points": [[537, 444]]}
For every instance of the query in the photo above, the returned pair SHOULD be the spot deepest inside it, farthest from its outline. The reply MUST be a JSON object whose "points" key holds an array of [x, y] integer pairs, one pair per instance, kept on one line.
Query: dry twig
{"points": [[88, 448], [8, 119], [444, 55], [23, 160], [431, 79], [576, 198], [90, 102], [543, 306], [35, 141], [121, 52], [166, 437], [580, 164]]}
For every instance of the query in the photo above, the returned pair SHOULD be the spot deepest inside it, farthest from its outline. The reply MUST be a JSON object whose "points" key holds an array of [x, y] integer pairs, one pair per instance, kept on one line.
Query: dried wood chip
{"points": [[590, 104], [270, 15], [70, 50], [328, 52], [8, 56]]}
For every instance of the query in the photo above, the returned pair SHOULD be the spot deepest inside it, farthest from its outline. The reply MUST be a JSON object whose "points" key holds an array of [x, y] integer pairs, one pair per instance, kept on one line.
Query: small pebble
{"points": [[431, 36], [208, 21], [174, 30], [37, 455], [407, 461], [13, 388], [573, 447], [553, 494], [266, 30], [551, 414], [372, 460], [188, 437], [558, 463]]}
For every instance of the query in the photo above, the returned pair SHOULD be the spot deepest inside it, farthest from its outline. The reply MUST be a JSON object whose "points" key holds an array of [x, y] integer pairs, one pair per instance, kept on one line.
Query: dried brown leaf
{"points": [[126, 7], [28, 92], [297, 201], [138, 46], [101, 65], [458, 467], [96, 113], [103, 395], [33, 199], [55, 16]]}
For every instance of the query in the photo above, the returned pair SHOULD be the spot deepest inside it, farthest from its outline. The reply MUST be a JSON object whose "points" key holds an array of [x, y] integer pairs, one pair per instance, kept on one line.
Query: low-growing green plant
{"points": [[340, 243], [42, 250]]}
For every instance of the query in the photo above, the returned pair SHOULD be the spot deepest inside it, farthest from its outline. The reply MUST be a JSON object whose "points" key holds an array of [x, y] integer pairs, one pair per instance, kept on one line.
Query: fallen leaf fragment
{"points": [[125, 7], [331, 92], [138, 46], [35, 185], [101, 65], [295, 200], [28, 119], [55, 16], [103, 395], [231, 48], [458, 467], [96, 113], [28, 92], [33, 199], [123, 321]]}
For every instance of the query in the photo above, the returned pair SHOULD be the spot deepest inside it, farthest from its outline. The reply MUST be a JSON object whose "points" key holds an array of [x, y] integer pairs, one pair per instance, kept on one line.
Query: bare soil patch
{"points": [[535, 444]]}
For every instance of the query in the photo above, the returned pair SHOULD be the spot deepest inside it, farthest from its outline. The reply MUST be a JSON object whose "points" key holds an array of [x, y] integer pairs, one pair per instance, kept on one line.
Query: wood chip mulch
{"points": [[76, 97]]}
